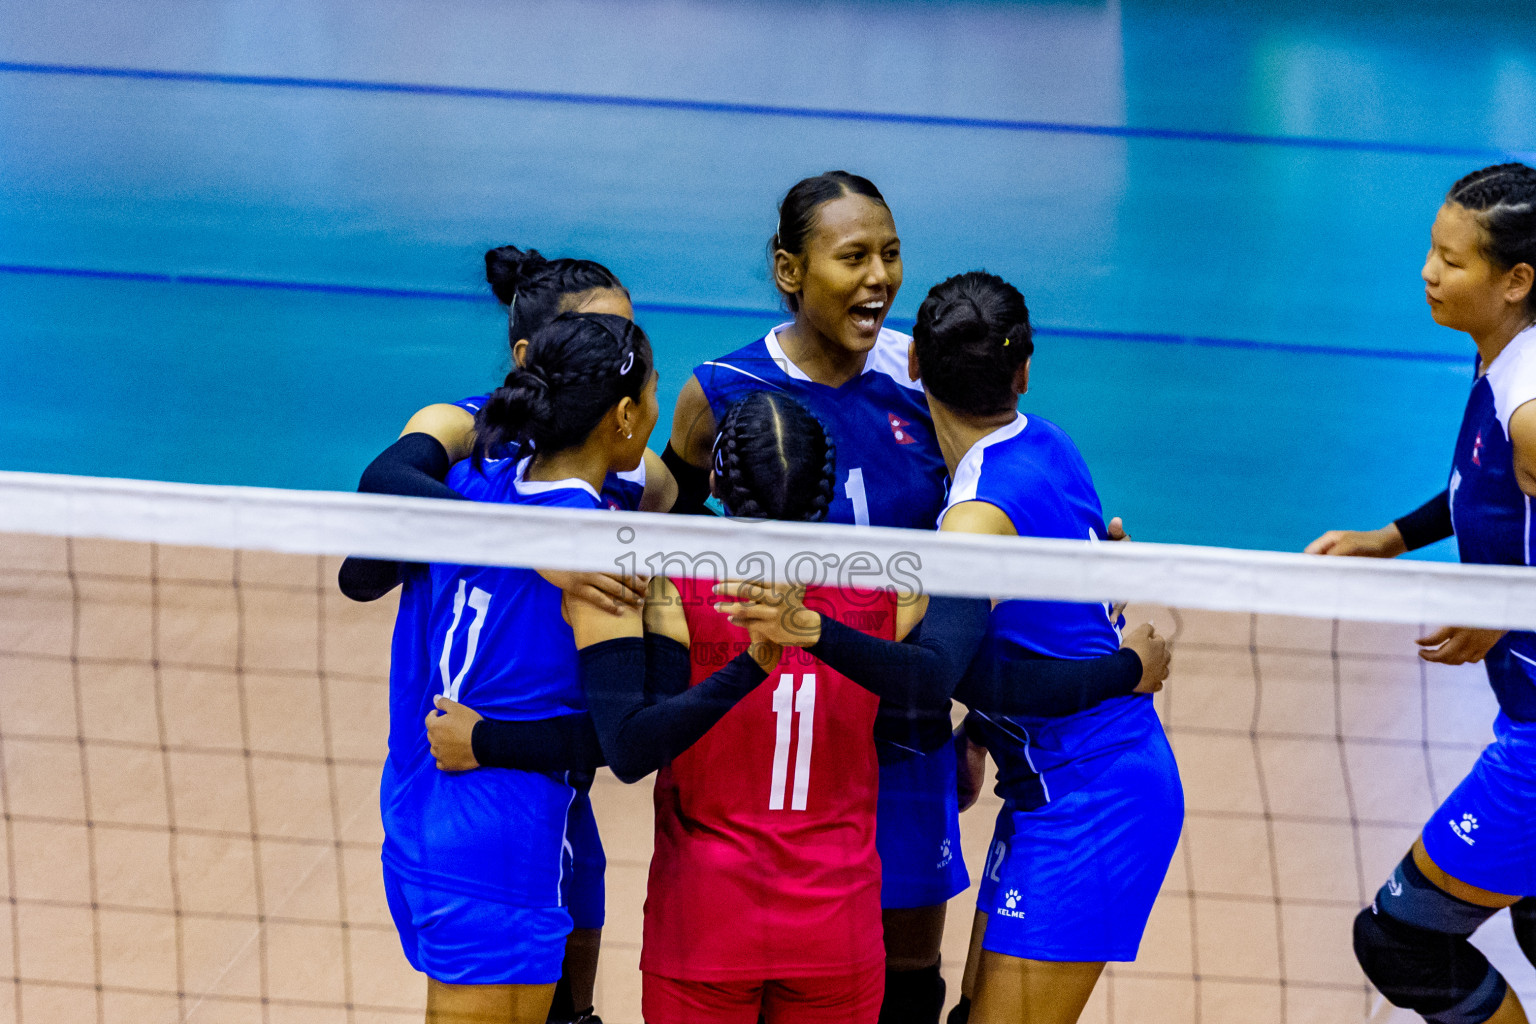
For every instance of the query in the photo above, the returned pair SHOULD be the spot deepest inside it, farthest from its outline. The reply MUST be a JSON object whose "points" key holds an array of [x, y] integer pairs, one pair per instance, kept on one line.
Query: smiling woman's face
{"points": [[851, 272]]}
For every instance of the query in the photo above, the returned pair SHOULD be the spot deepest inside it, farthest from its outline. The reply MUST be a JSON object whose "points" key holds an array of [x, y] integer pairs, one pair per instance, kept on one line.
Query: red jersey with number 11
{"points": [[765, 863]]}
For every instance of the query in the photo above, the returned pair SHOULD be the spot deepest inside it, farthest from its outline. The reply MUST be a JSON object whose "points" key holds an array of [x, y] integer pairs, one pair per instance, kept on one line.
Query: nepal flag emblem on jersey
{"points": [[1477, 450], [899, 429]]}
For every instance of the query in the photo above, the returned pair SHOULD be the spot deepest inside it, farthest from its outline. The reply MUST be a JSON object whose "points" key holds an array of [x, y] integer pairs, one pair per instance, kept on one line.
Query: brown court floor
{"points": [[190, 743]]}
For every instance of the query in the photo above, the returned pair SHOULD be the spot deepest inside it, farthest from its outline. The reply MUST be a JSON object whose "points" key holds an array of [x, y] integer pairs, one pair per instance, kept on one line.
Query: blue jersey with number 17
{"points": [[890, 471], [496, 640], [621, 491]]}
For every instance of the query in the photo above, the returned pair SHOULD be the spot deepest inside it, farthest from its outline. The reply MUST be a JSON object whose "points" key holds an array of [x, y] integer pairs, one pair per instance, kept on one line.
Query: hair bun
{"points": [[507, 268], [960, 321]]}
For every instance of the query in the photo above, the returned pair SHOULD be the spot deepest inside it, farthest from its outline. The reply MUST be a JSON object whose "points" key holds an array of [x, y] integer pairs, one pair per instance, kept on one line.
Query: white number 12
{"points": [[786, 704]]}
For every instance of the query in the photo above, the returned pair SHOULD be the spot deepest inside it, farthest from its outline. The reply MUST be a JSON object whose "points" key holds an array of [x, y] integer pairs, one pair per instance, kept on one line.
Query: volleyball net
{"points": [[193, 719]]}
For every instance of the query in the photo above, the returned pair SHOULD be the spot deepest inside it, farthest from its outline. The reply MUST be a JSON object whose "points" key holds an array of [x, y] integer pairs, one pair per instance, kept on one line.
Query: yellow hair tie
{"points": [[1007, 342]]}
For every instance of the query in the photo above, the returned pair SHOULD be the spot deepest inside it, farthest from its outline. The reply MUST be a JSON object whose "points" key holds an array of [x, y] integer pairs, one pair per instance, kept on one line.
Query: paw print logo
{"points": [[1011, 900], [1465, 827], [945, 853]]}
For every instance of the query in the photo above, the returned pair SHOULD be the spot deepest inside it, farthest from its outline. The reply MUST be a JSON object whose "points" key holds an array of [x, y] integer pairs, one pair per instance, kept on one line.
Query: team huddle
{"points": [[808, 778]]}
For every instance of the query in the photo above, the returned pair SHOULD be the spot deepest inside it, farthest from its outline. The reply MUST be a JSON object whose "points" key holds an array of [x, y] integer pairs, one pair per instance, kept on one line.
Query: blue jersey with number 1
{"points": [[890, 471], [494, 639]]}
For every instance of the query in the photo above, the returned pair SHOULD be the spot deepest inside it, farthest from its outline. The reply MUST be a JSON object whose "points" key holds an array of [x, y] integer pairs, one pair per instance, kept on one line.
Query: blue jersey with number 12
{"points": [[1031, 470], [494, 639]]}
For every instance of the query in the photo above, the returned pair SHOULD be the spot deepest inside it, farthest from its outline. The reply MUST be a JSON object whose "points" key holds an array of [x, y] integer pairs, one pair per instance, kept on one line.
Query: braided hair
{"points": [[577, 367], [971, 337], [536, 290], [801, 205], [774, 460], [1503, 199]]}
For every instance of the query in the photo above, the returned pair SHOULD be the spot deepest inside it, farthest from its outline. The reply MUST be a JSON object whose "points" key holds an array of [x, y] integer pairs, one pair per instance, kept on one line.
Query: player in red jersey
{"points": [[764, 893]]}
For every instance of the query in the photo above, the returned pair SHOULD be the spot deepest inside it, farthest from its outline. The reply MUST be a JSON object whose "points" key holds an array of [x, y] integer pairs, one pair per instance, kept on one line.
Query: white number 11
{"points": [[786, 704]]}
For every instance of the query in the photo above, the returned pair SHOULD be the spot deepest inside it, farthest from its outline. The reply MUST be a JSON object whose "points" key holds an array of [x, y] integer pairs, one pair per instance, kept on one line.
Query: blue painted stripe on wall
{"points": [[771, 110], [691, 309]]}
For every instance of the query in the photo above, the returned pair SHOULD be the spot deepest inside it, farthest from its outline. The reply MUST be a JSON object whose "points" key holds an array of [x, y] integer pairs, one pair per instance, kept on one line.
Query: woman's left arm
{"points": [[1522, 437]]}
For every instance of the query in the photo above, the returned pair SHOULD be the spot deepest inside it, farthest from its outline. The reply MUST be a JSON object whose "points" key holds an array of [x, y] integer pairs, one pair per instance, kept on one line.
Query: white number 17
{"points": [[786, 704], [479, 600]]}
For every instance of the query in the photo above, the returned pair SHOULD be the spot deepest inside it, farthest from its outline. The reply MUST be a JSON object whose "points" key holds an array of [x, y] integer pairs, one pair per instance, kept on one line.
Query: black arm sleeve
{"points": [[920, 672], [569, 742], [566, 743], [692, 484], [639, 736], [1428, 523], [415, 467], [1028, 684]]}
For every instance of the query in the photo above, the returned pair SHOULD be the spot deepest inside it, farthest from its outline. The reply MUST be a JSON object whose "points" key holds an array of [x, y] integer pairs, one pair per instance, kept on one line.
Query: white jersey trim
{"points": [[889, 356], [744, 373], [636, 475], [1512, 376], [545, 486], [968, 472]]}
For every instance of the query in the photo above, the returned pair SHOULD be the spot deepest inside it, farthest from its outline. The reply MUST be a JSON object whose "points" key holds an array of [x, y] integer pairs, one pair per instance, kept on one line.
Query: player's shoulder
{"points": [[751, 362], [1512, 376], [473, 404], [889, 359]]}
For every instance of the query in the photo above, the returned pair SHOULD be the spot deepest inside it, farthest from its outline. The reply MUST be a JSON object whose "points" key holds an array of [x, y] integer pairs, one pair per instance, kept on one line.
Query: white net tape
{"points": [[1217, 579]]}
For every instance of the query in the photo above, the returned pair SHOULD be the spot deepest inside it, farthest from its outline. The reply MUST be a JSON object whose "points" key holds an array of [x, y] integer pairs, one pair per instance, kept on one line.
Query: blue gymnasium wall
{"points": [[240, 241]]}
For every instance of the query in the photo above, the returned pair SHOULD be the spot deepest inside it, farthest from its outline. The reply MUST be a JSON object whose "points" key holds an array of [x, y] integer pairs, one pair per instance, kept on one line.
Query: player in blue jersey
{"points": [[1093, 805], [478, 866], [836, 259], [1477, 854], [535, 291]]}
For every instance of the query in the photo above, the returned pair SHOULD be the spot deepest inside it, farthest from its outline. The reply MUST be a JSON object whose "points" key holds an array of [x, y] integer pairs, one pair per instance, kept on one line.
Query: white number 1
{"points": [[854, 489], [479, 600], [786, 704]]}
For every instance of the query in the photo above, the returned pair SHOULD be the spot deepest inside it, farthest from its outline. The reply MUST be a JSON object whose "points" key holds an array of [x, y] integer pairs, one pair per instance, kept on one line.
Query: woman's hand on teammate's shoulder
{"points": [[610, 592], [774, 612], [1458, 645], [1386, 542], [1155, 657], [450, 731]]}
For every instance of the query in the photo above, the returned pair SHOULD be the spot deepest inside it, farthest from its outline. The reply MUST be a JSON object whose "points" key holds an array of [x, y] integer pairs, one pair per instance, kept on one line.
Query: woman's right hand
{"points": [[1386, 542], [606, 591], [1152, 649]]}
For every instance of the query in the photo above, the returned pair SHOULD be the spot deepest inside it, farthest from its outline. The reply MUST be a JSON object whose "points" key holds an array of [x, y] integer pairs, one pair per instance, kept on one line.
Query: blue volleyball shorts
{"points": [[465, 940], [917, 831], [1484, 833], [1075, 880], [584, 891]]}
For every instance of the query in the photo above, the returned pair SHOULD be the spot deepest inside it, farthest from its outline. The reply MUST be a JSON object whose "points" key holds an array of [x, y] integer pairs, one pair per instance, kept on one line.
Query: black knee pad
{"points": [[960, 1013], [913, 997], [1412, 943], [1523, 914]]}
